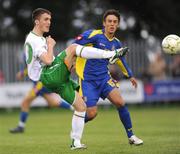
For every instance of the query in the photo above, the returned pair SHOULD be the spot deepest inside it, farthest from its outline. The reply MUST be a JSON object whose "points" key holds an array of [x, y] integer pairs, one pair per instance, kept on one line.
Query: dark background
{"points": [[70, 17]]}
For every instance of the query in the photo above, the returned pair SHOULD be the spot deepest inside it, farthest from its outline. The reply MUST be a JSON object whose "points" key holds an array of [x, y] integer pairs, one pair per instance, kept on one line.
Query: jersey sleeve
{"points": [[121, 62], [85, 38], [28, 48]]}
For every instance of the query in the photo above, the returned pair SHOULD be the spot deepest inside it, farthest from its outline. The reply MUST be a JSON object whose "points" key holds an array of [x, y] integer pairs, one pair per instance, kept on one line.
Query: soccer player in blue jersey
{"points": [[37, 90], [94, 78]]}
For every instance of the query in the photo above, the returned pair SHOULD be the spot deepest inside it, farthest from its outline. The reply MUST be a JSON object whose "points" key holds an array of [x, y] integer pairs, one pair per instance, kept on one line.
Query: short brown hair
{"points": [[111, 12], [39, 11]]}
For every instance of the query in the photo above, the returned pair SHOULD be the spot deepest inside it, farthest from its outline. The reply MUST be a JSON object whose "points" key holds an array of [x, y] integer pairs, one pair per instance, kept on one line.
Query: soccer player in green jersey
{"points": [[54, 72]]}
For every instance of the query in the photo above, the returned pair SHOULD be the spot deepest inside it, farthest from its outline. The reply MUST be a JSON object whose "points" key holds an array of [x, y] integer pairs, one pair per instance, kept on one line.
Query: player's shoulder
{"points": [[95, 32], [32, 38], [92, 32]]}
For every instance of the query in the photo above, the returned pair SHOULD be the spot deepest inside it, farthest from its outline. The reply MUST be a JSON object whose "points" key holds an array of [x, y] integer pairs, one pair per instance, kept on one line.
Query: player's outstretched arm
{"points": [[123, 66]]}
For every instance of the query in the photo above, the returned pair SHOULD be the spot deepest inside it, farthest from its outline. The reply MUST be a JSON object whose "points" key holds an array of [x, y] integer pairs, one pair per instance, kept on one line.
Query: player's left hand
{"points": [[19, 76], [134, 82]]}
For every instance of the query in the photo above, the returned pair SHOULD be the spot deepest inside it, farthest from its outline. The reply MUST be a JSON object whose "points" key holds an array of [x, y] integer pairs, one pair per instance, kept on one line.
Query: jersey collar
{"points": [[110, 39]]}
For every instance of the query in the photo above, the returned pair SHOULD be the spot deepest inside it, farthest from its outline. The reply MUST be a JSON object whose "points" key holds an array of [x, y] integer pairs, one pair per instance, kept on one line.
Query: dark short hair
{"points": [[38, 12], [111, 12]]}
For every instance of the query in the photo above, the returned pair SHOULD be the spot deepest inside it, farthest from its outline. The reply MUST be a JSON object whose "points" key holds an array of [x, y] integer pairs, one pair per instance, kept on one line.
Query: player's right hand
{"points": [[50, 41], [134, 82]]}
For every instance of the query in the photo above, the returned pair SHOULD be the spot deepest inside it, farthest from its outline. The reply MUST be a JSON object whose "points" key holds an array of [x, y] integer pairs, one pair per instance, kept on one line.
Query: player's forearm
{"points": [[47, 57], [50, 54], [124, 67]]}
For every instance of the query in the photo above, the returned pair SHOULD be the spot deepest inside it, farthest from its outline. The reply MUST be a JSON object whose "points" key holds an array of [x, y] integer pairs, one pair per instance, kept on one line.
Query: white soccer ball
{"points": [[171, 44]]}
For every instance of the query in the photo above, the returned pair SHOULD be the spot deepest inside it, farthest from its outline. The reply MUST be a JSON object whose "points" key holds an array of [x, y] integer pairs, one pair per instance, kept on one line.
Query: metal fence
{"points": [[11, 57]]}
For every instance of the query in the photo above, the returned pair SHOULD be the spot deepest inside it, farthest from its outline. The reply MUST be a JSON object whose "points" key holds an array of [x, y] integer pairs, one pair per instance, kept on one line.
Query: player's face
{"points": [[44, 22], [111, 24]]}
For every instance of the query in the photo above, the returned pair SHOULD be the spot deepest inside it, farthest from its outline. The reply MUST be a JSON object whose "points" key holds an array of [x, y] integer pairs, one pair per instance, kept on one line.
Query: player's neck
{"points": [[37, 31], [109, 35]]}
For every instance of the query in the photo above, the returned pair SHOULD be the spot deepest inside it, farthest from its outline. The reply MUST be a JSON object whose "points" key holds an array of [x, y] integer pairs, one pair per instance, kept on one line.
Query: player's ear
{"points": [[104, 23], [118, 26], [36, 22]]}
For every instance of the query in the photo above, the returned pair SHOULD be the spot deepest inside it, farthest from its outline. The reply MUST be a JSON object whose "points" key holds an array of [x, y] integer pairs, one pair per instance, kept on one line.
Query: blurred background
{"points": [[142, 27], [154, 105]]}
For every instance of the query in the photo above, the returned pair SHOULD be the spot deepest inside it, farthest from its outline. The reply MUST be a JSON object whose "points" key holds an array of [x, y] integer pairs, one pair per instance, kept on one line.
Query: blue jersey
{"points": [[97, 69]]}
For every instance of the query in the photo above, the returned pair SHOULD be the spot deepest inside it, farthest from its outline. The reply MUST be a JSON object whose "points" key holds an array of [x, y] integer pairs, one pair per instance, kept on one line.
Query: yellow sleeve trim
{"points": [[25, 72], [95, 32], [121, 66]]}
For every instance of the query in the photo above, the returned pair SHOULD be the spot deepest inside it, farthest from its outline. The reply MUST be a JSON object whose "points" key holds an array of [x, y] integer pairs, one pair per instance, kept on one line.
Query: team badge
{"points": [[79, 37]]}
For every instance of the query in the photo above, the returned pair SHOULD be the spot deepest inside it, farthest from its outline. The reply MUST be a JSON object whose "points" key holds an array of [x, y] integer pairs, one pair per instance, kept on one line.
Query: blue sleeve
{"points": [[130, 74], [128, 71], [123, 64], [119, 45]]}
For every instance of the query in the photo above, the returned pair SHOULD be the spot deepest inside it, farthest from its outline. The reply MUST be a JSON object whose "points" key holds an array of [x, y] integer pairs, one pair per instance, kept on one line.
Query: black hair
{"points": [[38, 12], [111, 12]]}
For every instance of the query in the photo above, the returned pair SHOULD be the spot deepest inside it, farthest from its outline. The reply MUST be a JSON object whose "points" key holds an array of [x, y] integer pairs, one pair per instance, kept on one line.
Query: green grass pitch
{"points": [[47, 132]]}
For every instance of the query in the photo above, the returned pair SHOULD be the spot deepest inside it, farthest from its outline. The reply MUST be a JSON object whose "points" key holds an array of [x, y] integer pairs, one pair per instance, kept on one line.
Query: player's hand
{"points": [[134, 82], [19, 76], [50, 41]]}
